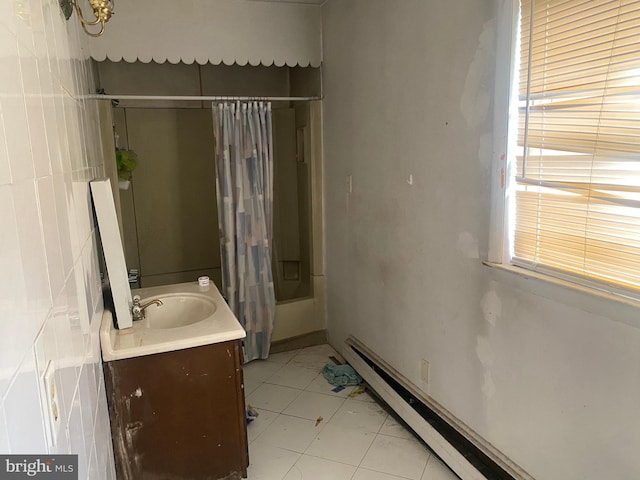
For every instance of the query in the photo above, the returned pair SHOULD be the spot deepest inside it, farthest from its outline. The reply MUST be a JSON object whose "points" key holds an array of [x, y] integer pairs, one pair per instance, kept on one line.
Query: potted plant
{"points": [[126, 161]]}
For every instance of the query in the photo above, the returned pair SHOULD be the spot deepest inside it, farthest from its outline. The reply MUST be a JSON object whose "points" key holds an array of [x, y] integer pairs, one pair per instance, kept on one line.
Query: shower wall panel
{"points": [[173, 194]]}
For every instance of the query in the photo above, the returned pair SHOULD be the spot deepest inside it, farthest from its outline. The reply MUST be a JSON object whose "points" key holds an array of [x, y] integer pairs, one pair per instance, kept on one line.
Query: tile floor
{"points": [[305, 431]]}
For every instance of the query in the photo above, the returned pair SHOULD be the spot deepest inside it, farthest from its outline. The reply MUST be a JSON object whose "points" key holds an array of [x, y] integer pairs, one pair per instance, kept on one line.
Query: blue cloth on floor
{"points": [[341, 374]]}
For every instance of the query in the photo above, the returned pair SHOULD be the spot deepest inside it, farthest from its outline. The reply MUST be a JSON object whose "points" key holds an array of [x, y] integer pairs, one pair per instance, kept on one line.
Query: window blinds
{"points": [[577, 185]]}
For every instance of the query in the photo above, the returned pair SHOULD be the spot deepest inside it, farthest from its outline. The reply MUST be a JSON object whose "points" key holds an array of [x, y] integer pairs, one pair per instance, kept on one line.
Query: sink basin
{"points": [[177, 310], [190, 316]]}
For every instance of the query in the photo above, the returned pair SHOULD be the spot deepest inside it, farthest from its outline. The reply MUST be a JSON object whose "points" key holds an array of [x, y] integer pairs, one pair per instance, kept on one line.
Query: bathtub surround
{"points": [[167, 131], [50, 290], [548, 375]]}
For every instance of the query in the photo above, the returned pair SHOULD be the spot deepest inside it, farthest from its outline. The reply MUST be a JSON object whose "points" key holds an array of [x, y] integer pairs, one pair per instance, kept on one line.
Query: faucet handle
{"points": [[136, 299]]}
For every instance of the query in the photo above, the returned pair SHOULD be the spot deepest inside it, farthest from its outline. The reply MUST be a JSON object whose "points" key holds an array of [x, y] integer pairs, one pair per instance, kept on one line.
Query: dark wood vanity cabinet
{"points": [[179, 415]]}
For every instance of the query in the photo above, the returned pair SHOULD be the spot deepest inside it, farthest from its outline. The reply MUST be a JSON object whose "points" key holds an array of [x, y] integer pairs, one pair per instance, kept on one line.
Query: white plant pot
{"points": [[124, 184]]}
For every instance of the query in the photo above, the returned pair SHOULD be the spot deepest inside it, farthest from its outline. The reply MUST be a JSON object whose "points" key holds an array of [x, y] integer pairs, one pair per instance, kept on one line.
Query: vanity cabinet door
{"points": [[179, 414]]}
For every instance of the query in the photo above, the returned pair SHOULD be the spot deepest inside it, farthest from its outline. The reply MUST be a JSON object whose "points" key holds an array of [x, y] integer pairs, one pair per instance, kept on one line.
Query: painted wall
{"points": [[50, 290], [548, 375]]}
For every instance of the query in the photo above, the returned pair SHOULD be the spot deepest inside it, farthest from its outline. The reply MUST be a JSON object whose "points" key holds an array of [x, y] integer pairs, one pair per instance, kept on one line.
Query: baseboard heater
{"points": [[464, 451]]}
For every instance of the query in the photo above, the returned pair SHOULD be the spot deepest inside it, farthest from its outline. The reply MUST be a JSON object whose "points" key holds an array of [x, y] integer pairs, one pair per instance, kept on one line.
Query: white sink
{"points": [[177, 310], [190, 316]]}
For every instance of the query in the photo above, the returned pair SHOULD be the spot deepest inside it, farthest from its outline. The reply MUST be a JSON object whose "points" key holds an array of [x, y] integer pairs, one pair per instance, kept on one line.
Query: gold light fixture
{"points": [[102, 11]]}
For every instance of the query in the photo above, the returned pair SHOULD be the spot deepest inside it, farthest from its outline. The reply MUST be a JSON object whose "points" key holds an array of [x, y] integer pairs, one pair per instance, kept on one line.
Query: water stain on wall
{"points": [[468, 245], [476, 100], [491, 307]]}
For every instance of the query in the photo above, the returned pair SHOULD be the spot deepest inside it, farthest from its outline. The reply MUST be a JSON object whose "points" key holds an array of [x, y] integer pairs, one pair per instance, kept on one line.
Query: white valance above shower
{"points": [[212, 31]]}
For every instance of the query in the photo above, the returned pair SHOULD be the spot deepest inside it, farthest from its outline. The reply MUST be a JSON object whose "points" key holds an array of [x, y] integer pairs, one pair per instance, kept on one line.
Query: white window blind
{"points": [[577, 171]]}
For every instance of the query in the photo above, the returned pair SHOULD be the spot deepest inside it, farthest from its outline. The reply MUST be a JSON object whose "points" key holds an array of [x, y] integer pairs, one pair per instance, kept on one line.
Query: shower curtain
{"points": [[244, 183]]}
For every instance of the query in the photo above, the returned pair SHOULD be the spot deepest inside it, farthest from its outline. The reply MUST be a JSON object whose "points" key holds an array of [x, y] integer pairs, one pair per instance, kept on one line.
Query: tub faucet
{"points": [[138, 310]]}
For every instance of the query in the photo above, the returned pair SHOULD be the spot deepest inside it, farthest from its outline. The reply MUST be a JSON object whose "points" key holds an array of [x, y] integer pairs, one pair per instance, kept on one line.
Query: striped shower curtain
{"points": [[244, 184]]}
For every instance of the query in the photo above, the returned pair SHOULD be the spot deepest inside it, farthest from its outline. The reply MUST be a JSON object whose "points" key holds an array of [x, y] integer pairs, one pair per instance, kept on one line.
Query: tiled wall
{"points": [[50, 292]]}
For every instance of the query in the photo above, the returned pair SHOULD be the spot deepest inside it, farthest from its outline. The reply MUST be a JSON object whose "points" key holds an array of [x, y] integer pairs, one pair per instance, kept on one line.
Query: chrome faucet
{"points": [[138, 310]]}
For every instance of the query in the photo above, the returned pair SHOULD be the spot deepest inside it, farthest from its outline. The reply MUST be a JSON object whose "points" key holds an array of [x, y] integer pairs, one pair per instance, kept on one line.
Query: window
{"points": [[574, 191]]}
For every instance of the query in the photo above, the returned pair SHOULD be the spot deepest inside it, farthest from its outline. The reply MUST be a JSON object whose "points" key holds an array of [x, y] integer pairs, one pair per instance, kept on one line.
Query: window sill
{"points": [[575, 287]]}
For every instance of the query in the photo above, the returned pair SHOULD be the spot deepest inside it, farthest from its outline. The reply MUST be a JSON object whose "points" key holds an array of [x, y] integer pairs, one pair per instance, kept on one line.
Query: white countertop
{"points": [[140, 340]]}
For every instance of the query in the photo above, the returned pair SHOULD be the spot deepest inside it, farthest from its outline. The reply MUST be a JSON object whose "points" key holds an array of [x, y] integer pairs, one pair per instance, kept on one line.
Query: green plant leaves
{"points": [[126, 161]]}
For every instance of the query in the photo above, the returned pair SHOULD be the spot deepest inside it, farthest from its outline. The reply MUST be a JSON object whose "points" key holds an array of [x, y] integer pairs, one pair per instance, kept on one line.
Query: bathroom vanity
{"points": [[173, 372], [179, 414], [175, 388]]}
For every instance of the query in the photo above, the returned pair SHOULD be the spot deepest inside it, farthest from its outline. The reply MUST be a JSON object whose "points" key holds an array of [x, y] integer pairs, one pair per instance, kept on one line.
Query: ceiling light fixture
{"points": [[102, 11]]}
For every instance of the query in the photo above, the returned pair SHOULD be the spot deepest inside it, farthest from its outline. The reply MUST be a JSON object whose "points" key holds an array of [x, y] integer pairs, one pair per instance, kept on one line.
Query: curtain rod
{"points": [[201, 98]]}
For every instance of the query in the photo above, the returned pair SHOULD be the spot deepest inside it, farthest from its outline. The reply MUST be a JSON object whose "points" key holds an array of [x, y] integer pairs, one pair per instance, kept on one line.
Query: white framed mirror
{"points": [[113, 252]]}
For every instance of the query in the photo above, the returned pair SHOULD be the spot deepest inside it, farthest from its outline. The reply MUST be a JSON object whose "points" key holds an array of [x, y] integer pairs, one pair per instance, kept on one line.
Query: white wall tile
{"points": [[5, 170], [82, 120], [75, 312], [88, 405], [70, 179], [4, 434], [34, 110], [49, 218], [38, 28], [49, 113], [47, 240], [76, 435], [7, 19], [73, 125], [22, 13], [82, 203], [14, 111], [14, 337], [102, 436], [50, 11], [62, 213], [111, 472], [62, 55], [33, 258], [94, 472], [66, 365], [84, 311], [45, 348], [23, 412], [61, 125]]}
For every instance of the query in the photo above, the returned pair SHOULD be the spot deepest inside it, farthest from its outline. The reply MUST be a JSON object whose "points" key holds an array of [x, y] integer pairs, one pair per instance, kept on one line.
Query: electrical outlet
{"points": [[52, 404], [425, 371]]}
